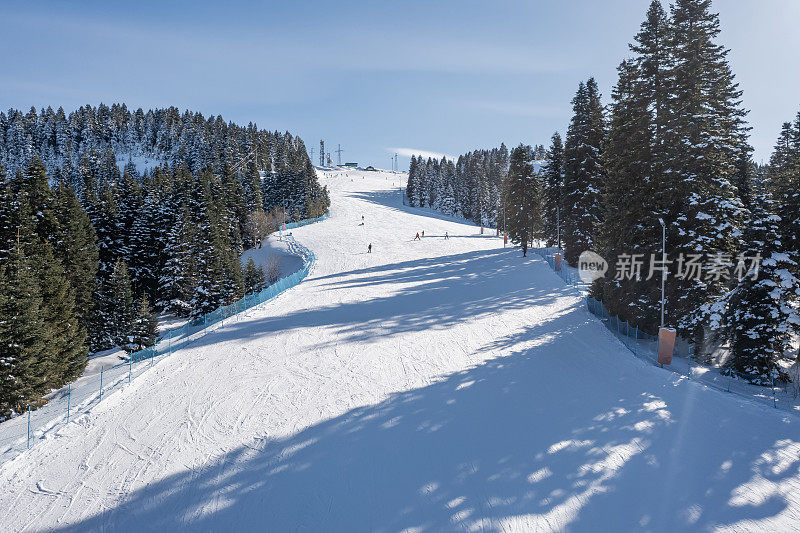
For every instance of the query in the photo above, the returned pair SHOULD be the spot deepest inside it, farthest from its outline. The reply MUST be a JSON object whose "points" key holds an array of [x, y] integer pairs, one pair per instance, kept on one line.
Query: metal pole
{"points": [[130, 367], [69, 397], [29, 427], [558, 227], [663, 264], [101, 383]]}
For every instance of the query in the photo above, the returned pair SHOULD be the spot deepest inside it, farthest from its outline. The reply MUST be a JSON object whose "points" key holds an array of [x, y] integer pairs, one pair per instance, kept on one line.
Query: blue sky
{"points": [[439, 76]]}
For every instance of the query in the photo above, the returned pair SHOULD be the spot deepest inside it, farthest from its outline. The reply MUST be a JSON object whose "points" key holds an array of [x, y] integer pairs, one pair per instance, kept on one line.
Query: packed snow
{"points": [[429, 385]]}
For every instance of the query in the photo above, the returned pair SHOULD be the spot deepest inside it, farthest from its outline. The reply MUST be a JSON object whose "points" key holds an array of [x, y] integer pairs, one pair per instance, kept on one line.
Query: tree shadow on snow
{"points": [[426, 294], [527, 438], [391, 198]]}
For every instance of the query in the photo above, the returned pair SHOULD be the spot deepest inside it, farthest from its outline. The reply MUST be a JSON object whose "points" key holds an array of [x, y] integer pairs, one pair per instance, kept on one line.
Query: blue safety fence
{"points": [[306, 222], [684, 361], [567, 273], [20, 432]]}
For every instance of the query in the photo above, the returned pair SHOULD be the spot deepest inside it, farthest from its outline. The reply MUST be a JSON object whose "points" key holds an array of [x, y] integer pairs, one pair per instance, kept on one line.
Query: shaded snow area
{"points": [[277, 245], [430, 385]]}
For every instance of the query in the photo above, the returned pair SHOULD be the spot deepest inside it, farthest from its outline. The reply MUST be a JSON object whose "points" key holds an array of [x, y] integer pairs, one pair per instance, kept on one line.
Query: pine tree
{"points": [[784, 188], [144, 329], [24, 336], [254, 277], [523, 198], [130, 208], [77, 249], [412, 181], [761, 314], [447, 202], [704, 136], [32, 187], [583, 175], [66, 351], [38, 227], [122, 309], [630, 224], [178, 277], [553, 180]]}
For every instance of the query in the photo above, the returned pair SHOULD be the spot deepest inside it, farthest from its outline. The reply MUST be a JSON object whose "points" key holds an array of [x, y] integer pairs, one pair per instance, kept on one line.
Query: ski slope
{"points": [[430, 385]]}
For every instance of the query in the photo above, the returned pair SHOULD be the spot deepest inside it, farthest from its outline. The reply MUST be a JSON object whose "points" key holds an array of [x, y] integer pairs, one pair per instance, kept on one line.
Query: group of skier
{"points": [[418, 237]]}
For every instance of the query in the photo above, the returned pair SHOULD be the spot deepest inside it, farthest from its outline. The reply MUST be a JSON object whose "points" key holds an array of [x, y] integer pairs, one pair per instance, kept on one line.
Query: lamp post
{"points": [[558, 227], [505, 231], [663, 264]]}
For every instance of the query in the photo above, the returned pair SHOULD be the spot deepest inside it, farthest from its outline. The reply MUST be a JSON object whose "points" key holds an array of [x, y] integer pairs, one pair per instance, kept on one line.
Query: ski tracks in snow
{"points": [[429, 385]]}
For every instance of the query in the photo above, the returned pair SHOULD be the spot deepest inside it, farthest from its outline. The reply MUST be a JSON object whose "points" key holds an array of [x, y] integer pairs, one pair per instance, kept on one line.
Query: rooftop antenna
{"points": [[321, 153], [395, 162], [339, 154]]}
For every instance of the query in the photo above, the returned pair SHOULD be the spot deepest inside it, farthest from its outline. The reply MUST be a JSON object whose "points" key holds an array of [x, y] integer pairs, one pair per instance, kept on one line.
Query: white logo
{"points": [[591, 266]]}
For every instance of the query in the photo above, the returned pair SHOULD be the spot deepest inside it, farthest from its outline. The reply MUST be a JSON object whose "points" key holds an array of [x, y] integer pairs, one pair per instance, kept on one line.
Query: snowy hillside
{"points": [[429, 385]]}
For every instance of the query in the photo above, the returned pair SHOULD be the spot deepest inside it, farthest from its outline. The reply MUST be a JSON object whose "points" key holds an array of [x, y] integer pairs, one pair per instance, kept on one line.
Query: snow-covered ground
{"points": [[275, 245], [430, 385]]}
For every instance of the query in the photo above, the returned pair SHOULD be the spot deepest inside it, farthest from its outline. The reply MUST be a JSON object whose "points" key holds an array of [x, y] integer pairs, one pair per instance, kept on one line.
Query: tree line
{"points": [[470, 187], [89, 252], [672, 146]]}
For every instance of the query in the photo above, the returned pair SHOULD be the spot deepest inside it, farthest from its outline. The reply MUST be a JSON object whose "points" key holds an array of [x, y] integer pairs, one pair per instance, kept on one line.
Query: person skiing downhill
{"points": [[423, 233], [369, 248], [417, 237], [446, 236]]}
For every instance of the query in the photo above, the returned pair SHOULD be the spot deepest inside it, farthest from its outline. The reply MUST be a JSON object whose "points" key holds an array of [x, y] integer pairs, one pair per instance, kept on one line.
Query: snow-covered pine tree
{"points": [[523, 198], [447, 202], [144, 330], [761, 314], [254, 277], [434, 182], [553, 177], [251, 188], [179, 275], [121, 310], [144, 241], [630, 197], [703, 138], [411, 181], [583, 173], [129, 201], [784, 187]]}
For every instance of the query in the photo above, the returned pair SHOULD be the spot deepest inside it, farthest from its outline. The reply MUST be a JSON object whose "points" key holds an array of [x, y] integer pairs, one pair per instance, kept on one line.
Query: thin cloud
{"points": [[408, 152]]}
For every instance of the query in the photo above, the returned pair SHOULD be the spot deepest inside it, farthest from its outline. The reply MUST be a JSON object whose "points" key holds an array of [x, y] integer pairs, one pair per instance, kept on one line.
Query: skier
{"points": [[423, 233], [369, 248], [446, 236], [417, 237]]}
